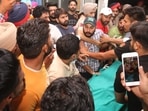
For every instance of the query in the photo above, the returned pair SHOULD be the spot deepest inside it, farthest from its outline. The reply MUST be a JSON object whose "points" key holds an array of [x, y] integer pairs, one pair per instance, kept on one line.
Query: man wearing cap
{"points": [[90, 67], [104, 19]]}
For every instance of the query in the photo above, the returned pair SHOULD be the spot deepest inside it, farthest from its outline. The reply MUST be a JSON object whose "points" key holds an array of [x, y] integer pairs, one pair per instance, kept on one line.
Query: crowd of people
{"points": [[53, 59]]}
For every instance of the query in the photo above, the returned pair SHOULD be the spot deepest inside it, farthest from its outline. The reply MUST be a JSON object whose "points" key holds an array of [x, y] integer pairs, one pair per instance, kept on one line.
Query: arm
{"points": [[97, 55], [84, 38], [121, 97], [88, 69], [117, 41], [102, 55]]}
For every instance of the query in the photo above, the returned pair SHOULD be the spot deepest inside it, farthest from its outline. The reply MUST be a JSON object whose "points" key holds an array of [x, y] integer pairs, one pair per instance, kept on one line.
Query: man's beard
{"points": [[72, 9], [65, 23], [87, 34], [52, 17]]}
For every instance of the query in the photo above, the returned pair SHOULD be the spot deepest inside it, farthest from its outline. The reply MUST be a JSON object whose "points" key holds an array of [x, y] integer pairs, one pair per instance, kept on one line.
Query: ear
{"points": [[137, 45], [9, 98], [74, 56], [45, 48]]}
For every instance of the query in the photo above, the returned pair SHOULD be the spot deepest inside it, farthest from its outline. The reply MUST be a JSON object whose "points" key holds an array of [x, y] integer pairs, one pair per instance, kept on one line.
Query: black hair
{"points": [[32, 36], [9, 76], [67, 94], [135, 13], [67, 45], [39, 10]]}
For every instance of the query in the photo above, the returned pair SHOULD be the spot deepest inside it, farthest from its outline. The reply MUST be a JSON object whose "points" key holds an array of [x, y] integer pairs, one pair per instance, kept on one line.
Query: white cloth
{"points": [[55, 33]]}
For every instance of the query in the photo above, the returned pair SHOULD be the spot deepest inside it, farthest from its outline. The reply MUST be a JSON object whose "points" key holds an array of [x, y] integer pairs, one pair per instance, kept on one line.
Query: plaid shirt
{"points": [[2, 18], [93, 63]]}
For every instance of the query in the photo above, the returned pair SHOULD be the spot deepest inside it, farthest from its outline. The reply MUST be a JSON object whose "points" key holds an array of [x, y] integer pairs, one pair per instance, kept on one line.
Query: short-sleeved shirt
{"points": [[93, 63], [102, 27], [134, 103], [72, 20]]}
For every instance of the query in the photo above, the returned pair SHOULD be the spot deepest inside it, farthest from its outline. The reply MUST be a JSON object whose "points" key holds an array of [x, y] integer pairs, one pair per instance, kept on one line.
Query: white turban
{"points": [[89, 7], [7, 35]]}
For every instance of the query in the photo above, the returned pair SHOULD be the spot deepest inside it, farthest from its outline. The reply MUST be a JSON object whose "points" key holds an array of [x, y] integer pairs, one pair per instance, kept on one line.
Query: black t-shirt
{"points": [[126, 48], [72, 20], [134, 103]]}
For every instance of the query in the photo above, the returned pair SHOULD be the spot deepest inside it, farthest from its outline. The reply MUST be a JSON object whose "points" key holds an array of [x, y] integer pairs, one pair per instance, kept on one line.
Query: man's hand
{"points": [[105, 38], [48, 59], [83, 57]]}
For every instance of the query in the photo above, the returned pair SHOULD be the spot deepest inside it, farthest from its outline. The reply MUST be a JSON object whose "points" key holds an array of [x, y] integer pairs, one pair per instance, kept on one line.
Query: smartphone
{"points": [[130, 64]]}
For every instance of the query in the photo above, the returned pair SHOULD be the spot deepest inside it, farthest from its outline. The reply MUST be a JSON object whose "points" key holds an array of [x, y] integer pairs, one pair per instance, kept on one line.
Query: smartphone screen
{"points": [[130, 69]]}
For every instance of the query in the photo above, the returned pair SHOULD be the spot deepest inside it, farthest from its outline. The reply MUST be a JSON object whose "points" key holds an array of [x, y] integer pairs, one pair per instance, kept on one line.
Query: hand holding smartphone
{"points": [[130, 64]]}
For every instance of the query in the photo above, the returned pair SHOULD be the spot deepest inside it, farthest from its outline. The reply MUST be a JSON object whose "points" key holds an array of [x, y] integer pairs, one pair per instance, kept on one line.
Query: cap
{"points": [[19, 14], [106, 11], [90, 20], [7, 35]]}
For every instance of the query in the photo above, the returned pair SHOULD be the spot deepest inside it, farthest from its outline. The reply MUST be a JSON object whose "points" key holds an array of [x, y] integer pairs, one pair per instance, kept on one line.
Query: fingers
{"points": [[142, 73], [123, 82]]}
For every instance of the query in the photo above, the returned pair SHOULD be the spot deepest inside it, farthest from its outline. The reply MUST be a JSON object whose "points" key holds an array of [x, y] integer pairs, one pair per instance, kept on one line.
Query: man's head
{"points": [[33, 38], [139, 40], [62, 17], [105, 15], [67, 94], [115, 8], [68, 47], [120, 24], [89, 26], [52, 7], [6, 5], [132, 15], [10, 77], [89, 9], [72, 5], [41, 12]]}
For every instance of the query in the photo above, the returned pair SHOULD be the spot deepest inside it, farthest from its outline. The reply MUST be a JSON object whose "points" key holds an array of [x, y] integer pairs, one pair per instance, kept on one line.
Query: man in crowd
{"points": [[72, 14], [52, 7], [63, 64], [104, 19], [41, 12], [34, 42], [63, 22], [11, 78], [139, 41], [90, 67]]}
